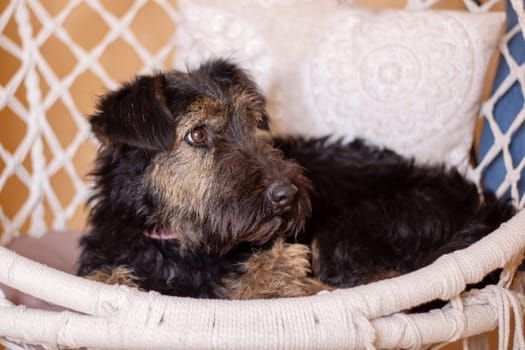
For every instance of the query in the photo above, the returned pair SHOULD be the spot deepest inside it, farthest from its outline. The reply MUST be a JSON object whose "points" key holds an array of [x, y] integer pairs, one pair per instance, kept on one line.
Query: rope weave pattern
{"points": [[34, 71], [503, 139], [115, 317]]}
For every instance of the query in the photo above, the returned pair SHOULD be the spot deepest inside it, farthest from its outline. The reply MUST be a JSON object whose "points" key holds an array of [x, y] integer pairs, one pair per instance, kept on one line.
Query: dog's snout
{"points": [[280, 196]]}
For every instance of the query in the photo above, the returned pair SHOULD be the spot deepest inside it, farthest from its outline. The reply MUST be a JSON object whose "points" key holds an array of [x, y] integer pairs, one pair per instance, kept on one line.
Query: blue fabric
{"points": [[505, 111]]}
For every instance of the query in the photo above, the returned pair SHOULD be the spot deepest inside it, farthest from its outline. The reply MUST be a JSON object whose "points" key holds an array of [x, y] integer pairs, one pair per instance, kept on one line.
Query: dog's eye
{"points": [[262, 123], [197, 137]]}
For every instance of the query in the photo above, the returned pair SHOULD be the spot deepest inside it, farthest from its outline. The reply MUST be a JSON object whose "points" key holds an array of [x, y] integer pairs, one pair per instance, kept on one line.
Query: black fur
{"points": [[120, 215], [372, 211]]}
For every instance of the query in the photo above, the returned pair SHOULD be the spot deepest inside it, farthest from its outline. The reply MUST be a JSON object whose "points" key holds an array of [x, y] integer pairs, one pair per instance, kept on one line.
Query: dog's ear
{"points": [[227, 73], [136, 114]]}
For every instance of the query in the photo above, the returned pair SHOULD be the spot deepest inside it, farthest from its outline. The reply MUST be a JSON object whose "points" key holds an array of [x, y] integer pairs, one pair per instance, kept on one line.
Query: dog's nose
{"points": [[280, 196]]}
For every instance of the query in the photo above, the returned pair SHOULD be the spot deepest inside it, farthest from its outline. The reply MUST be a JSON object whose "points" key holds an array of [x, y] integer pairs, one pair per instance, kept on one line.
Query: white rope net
{"points": [[43, 186], [40, 162]]}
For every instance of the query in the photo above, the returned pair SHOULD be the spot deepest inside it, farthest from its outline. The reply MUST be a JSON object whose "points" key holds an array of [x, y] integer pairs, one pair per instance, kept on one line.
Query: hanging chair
{"points": [[100, 316]]}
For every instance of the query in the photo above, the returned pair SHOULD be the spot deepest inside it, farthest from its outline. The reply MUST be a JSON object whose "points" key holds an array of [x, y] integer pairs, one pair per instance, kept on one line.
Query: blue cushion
{"points": [[505, 111]]}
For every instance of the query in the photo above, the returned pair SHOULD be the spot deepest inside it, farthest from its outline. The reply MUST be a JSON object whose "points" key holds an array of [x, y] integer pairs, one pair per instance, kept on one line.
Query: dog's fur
{"points": [[190, 155]]}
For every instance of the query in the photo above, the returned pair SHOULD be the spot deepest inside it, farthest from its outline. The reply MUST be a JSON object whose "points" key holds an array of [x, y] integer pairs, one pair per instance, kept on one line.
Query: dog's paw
{"points": [[117, 275], [278, 272]]}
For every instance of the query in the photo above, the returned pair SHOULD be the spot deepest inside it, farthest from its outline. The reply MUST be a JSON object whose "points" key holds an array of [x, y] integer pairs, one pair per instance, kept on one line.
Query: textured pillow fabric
{"points": [[506, 111], [409, 80]]}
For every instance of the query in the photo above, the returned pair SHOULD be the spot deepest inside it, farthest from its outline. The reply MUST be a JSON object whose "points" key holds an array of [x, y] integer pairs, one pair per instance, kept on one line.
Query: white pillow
{"points": [[411, 81]]}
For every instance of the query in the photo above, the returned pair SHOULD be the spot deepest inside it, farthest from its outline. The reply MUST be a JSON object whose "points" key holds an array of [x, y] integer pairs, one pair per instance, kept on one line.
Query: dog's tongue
{"points": [[160, 234]]}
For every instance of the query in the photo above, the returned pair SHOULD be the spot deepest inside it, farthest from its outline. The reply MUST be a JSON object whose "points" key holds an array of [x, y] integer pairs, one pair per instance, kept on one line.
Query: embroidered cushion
{"points": [[411, 81]]}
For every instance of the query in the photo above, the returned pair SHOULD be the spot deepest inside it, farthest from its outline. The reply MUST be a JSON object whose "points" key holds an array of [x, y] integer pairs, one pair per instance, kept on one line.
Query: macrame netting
{"points": [[115, 317], [33, 74]]}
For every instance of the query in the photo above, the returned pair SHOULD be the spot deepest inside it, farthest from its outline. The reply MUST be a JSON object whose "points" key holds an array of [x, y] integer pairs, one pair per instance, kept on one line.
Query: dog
{"points": [[194, 197]]}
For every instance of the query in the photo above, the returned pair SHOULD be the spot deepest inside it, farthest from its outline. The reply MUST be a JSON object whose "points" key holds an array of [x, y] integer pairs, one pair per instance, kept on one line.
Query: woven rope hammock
{"points": [[117, 317]]}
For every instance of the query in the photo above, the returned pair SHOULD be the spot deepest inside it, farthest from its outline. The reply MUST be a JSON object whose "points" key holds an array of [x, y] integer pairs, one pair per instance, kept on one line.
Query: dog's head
{"points": [[205, 166]]}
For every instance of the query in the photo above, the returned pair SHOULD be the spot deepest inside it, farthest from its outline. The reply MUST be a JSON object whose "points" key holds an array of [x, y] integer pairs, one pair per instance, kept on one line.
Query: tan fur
{"points": [[181, 179], [187, 178], [278, 272], [184, 175], [315, 256], [248, 103], [119, 275]]}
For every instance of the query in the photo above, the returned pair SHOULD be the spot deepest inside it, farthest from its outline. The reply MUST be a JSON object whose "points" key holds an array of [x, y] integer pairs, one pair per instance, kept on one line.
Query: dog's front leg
{"points": [[115, 275], [281, 271]]}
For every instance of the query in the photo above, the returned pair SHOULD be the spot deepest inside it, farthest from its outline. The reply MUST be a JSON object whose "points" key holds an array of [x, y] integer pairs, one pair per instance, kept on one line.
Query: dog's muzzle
{"points": [[280, 197]]}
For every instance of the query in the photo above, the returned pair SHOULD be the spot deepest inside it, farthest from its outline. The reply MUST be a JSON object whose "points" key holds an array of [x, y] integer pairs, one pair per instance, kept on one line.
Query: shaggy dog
{"points": [[193, 197]]}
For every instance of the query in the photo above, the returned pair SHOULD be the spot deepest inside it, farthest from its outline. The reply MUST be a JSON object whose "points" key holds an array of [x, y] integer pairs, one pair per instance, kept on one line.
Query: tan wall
{"points": [[153, 29]]}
